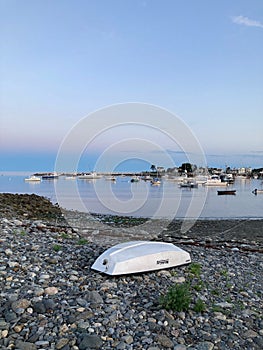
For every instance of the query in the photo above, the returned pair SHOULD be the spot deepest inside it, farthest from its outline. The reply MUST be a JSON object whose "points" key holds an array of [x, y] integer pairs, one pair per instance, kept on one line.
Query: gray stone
{"points": [[94, 297], [128, 339], [39, 307], [121, 346], [61, 343], [180, 347], [90, 342], [164, 341], [224, 305], [19, 305], [49, 304], [205, 346], [250, 334], [3, 324], [21, 345], [81, 302], [42, 343]]}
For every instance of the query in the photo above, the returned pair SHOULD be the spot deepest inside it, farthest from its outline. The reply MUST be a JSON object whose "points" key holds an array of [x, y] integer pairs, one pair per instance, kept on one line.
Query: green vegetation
{"points": [[215, 292], [82, 241], [195, 269], [56, 247], [216, 308], [178, 298], [199, 306], [198, 286], [224, 273], [64, 235]]}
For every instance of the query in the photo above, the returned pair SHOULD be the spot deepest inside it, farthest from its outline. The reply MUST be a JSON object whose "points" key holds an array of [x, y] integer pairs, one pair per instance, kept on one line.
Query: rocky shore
{"points": [[51, 299]]}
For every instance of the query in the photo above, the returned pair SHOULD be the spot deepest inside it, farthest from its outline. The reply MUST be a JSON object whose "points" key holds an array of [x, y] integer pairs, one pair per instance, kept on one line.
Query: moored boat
{"points": [[188, 184], [140, 256], [90, 176], [155, 182], [200, 179], [50, 176], [110, 178], [177, 178], [214, 180], [222, 192], [33, 178], [146, 178], [256, 191], [135, 179]]}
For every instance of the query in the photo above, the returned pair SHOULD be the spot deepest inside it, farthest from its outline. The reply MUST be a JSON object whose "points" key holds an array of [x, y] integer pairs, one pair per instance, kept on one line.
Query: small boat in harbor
{"points": [[178, 178], [70, 178], [90, 176], [222, 192], [50, 176], [146, 178], [33, 178], [155, 182], [188, 184], [215, 180], [256, 191], [140, 256], [201, 179], [110, 178], [135, 179]]}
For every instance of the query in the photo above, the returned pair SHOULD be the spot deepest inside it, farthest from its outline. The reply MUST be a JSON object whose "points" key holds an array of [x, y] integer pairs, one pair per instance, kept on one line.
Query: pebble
{"points": [[61, 343], [51, 290]]}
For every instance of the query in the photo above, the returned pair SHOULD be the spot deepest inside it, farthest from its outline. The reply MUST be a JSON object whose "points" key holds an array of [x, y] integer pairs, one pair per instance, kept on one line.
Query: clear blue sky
{"points": [[200, 59]]}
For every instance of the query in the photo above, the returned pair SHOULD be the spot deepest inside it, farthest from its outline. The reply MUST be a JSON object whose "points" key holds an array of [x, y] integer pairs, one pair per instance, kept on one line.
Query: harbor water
{"points": [[141, 199]]}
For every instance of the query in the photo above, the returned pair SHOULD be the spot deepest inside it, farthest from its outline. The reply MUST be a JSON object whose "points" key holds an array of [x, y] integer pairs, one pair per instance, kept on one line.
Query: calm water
{"points": [[142, 199]]}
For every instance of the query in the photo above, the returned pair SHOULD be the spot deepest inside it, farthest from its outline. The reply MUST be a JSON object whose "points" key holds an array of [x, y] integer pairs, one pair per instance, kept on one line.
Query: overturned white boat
{"points": [[140, 256]]}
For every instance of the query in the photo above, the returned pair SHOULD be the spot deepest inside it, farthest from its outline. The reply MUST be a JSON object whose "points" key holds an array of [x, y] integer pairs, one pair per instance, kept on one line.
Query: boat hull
{"points": [[256, 191], [33, 179], [140, 256], [216, 183], [226, 192], [49, 177]]}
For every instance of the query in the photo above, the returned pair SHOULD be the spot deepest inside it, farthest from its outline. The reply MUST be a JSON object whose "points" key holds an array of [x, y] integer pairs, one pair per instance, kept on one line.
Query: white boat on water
{"points": [[110, 178], [155, 182], [140, 256], [146, 178], [256, 191], [90, 176], [177, 178], [215, 180], [33, 178], [50, 176], [188, 184], [201, 179], [135, 179]]}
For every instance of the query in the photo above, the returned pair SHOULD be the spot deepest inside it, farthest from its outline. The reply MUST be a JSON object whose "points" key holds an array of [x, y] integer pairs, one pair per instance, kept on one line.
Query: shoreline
{"points": [[105, 228]]}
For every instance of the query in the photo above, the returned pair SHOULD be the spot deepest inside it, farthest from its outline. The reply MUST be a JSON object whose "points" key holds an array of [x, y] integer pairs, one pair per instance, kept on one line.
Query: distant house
{"points": [[160, 169], [244, 171]]}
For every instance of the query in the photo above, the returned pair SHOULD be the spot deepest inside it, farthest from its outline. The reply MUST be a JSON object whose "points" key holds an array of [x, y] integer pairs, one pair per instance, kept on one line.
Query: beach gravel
{"points": [[51, 299]]}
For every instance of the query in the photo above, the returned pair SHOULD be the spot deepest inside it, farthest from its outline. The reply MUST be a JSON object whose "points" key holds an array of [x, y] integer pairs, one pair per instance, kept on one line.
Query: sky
{"points": [[62, 61]]}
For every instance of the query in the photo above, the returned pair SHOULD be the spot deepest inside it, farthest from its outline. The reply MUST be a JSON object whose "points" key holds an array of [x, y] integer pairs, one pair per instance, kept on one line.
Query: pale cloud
{"points": [[246, 21]]}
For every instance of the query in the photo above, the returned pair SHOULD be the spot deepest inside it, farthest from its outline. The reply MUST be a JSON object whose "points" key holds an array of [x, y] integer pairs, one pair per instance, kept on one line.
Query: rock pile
{"points": [[51, 299], [30, 206]]}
